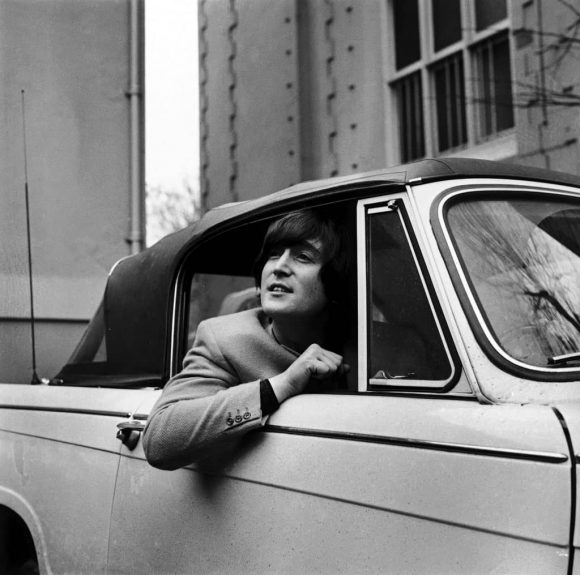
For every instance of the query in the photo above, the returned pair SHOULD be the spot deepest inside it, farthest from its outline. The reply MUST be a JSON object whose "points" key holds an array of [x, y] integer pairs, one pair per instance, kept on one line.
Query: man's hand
{"points": [[316, 362]]}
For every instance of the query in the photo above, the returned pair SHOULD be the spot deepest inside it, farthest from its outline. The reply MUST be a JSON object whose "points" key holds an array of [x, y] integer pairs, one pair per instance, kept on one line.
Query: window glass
{"points": [[488, 12], [494, 86], [406, 28], [446, 23], [450, 103], [522, 258], [404, 339], [410, 107]]}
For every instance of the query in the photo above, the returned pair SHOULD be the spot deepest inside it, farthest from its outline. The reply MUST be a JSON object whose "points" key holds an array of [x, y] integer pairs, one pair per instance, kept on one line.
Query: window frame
{"points": [[365, 384], [463, 286], [188, 267], [465, 49]]}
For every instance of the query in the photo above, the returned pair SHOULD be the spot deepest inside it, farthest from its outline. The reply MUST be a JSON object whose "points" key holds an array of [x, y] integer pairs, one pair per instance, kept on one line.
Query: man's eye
{"points": [[304, 257]]}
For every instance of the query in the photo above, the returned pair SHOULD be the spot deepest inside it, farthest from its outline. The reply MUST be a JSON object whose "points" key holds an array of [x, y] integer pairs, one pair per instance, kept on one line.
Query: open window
{"points": [[218, 278], [402, 338]]}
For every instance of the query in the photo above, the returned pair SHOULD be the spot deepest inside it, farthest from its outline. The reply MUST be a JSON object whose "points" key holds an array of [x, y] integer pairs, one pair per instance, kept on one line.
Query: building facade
{"points": [[70, 124], [294, 90]]}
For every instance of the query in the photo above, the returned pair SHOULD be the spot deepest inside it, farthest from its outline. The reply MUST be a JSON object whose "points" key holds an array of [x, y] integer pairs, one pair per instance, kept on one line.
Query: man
{"points": [[242, 366]]}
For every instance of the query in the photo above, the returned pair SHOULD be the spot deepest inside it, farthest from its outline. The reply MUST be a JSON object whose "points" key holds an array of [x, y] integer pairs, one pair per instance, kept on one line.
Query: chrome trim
{"points": [[173, 331], [117, 263], [540, 456], [104, 413], [131, 425], [461, 272], [363, 209], [361, 296]]}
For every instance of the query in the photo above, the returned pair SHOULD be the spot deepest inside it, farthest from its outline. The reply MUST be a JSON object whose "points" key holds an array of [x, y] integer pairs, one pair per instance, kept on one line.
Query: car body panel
{"points": [[60, 457], [389, 473]]}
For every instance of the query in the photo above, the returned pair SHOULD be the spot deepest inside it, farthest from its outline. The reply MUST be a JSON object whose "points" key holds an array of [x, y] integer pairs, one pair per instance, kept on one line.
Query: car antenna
{"points": [[35, 379]]}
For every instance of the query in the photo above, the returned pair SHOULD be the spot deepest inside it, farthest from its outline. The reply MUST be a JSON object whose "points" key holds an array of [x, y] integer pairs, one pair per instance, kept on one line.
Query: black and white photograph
{"points": [[289, 287]]}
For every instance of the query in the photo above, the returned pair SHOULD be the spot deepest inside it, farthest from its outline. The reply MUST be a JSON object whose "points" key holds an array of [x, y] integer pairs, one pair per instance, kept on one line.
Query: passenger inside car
{"points": [[242, 366]]}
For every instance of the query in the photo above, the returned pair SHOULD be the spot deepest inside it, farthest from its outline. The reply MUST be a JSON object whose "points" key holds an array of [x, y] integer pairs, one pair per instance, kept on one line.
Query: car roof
{"points": [[139, 292], [415, 172]]}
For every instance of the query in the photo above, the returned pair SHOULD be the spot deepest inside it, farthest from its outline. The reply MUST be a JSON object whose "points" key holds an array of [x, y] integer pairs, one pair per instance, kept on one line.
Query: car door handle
{"points": [[129, 432]]}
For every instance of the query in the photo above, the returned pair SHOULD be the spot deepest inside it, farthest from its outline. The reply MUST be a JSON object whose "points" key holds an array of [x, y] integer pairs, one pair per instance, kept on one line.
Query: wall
{"points": [[71, 57], [290, 91]]}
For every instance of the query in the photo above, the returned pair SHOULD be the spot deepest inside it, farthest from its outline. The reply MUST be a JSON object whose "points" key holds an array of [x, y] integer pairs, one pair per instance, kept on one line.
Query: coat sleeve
{"points": [[201, 408]]}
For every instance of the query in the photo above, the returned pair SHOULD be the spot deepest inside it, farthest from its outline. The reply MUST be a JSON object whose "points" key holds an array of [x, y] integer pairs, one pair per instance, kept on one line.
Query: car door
{"points": [[62, 458], [405, 472]]}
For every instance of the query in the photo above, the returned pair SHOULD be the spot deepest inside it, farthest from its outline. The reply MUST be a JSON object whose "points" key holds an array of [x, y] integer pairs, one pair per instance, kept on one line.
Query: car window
{"points": [[521, 257], [218, 279], [405, 339]]}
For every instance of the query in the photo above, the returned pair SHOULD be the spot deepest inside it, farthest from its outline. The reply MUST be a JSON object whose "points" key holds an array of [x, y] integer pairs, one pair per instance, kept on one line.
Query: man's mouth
{"points": [[279, 288]]}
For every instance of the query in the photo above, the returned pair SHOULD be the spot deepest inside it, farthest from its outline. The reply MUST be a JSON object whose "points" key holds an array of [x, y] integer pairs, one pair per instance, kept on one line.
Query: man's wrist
{"points": [[281, 387]]}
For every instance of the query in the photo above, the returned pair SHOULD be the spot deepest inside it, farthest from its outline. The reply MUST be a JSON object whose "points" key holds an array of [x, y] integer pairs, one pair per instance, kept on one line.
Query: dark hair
{"points": [[300, 226]]}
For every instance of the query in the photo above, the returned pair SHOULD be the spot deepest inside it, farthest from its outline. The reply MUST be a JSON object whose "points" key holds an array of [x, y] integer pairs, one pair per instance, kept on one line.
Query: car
{"points": [[453, 450]]}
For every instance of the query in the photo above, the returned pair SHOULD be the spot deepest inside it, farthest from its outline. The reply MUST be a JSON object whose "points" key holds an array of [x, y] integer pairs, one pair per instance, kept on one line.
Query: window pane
{"points": [[488, 12], [406, 28], [446, 22], [404, 339], [450, 103], [522, 257], [409, 95], [494, 89], [503, 85]]}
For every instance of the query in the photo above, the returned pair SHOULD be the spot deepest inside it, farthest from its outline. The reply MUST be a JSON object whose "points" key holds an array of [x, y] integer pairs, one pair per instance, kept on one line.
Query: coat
{"points": [[215, 399]]}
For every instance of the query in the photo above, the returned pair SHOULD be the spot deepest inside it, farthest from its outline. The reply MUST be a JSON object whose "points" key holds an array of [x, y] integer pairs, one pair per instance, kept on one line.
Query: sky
{"points": [[171, 94]]}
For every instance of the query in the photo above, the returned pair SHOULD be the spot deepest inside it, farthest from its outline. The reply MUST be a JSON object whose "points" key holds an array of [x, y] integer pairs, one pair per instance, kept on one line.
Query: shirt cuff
{"points": [[268, 401]]}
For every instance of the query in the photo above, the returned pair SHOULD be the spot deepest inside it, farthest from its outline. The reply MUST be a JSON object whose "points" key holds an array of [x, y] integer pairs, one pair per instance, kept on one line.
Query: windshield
{"points": [[522, 259]]}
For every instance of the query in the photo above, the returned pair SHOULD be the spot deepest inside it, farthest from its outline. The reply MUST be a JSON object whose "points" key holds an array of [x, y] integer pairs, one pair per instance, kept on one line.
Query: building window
{"points": [[449, 73], [449, 81], [407, 36], [410, 112], [446, 23], [494, 90], [488, 12]]}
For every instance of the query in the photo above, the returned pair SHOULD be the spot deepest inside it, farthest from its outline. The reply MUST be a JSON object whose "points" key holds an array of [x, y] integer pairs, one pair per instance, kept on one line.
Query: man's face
{"points": [[290, 283]]}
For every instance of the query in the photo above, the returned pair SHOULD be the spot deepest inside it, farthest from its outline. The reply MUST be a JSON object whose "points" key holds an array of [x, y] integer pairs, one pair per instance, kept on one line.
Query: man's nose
{"points": [[282, 263]]}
